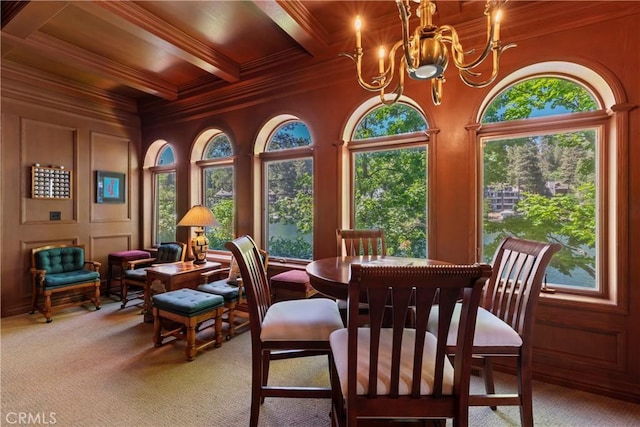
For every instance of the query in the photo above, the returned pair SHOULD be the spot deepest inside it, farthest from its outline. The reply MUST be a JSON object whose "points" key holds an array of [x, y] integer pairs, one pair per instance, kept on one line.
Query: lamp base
{"points": [[199, 247]]}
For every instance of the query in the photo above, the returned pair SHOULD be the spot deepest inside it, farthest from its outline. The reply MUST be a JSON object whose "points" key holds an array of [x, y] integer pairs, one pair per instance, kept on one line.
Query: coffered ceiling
{"points": [[139, 49]]}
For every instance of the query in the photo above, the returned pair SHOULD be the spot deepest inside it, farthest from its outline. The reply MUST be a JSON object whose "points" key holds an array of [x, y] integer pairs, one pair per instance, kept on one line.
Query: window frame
{"points": [[203, 164], [155, 172], [265, 157], [611, 122], [564, 123], [385, 143]]}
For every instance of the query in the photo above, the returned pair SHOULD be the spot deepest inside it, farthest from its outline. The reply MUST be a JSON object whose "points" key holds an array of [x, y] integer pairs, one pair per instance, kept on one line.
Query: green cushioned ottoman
{"points": [[189, 309], [187, 301]]}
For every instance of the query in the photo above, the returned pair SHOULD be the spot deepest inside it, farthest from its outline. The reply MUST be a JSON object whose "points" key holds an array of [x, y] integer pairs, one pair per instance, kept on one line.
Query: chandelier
{"points": [[425, 55]]}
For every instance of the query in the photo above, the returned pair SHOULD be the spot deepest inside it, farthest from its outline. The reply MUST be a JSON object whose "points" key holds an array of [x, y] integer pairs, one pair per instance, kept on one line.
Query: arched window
{"points": [[216, 167], [388, 163], [287, 166], [164, 196], [545, 148]]}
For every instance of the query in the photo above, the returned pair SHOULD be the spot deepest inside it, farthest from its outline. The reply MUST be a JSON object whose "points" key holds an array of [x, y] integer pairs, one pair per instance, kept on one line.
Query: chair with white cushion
{"points": [[281, 330], [357, 242], [506, 318], [402, 373]]}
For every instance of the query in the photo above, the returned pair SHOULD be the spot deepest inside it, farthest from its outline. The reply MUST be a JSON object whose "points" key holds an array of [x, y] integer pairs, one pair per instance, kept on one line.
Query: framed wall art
{"points": [[50, 182], [110, 187]]}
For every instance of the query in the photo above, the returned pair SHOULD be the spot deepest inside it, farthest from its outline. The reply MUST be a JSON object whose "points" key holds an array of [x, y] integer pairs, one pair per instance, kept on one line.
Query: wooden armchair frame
{"points": [[39, 279], [141, 263]]}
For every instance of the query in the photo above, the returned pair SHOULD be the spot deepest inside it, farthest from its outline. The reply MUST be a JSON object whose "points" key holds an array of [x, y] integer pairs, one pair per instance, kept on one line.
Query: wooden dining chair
{"points": [[398, 372], [353, 242], [506, 318], [356, 242], [282, 330]]}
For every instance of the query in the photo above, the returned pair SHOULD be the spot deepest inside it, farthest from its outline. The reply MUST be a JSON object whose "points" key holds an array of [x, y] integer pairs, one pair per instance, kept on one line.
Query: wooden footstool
{"points": [[188, 309], [292, 284]]}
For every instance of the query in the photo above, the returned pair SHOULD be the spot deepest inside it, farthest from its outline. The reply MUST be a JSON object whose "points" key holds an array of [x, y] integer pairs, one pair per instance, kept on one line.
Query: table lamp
{"points": [[199, 216]]}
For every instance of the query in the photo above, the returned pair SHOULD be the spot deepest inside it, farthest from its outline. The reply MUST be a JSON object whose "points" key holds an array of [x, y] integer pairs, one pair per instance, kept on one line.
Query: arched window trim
{"points": [[368, 106], [612, 124]]}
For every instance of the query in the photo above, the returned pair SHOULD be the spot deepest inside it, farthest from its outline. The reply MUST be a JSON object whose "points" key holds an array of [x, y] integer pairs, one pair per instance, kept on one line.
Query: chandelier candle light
{"points": [[425, 55], [199, 216]]}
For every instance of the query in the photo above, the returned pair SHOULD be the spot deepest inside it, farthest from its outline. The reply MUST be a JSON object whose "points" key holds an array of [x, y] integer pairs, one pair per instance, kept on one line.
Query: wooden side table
{"points": [[171, 276]]}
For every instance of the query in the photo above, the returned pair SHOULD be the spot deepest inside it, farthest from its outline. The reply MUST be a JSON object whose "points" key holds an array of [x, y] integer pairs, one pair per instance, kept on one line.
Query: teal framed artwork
{"points": [[110, 187]]}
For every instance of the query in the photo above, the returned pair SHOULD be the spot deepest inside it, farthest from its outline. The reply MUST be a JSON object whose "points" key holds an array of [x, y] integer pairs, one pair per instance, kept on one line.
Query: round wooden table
{"points": [[330, 276]]}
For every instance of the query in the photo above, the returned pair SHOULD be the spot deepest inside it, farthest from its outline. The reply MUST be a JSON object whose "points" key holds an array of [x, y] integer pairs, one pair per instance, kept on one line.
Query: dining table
{"points": [[330, 276]]}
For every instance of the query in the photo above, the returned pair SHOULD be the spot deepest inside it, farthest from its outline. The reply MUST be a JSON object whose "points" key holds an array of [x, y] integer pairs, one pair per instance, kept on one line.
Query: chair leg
{"points": [[191, 342], [524, 389], [487, 376], [231, 318], [96, 296], [218, 327], [157, 328], [266, 361], [256, 387], [47, 306], [34, 299], [123, 293]]}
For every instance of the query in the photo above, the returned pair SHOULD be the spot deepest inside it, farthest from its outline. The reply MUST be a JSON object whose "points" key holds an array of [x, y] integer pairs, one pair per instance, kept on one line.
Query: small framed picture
{"points": [[110, 187]]}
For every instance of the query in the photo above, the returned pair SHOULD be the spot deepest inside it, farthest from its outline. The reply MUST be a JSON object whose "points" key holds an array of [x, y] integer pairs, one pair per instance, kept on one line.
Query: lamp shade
{"points": [[198, 216]]}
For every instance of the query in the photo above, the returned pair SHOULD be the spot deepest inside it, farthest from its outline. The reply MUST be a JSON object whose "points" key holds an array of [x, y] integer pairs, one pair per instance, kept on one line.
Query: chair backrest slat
{"points": [[513, 291], [361, 242]]}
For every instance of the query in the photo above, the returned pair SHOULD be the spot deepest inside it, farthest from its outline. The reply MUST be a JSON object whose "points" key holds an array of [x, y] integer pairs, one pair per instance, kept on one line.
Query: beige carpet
{"points": [[99, 368]]}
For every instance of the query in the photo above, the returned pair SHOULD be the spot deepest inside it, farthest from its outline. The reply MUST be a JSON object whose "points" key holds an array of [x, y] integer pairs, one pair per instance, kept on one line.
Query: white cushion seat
{"points": [[301, 320], [338, 342], [490, 331]]}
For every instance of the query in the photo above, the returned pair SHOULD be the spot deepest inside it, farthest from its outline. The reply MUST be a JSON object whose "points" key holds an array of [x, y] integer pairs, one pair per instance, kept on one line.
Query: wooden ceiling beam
{"points": [[139, 22], [24, 18], [55, 49], [296, 20]]}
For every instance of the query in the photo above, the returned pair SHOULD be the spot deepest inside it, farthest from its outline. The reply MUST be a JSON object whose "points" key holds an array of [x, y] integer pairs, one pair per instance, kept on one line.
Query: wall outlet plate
{"points": [[55, 216]]}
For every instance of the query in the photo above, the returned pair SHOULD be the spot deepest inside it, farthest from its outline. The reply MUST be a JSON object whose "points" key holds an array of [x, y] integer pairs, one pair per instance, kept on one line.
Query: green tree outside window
{"points": [[289, 193], [543, 186], [390, 184], [218, 191]]}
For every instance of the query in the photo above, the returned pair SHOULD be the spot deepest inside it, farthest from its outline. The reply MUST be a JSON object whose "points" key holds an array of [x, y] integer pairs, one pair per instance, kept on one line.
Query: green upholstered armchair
{"points": [[62, 268], [136, 275]]}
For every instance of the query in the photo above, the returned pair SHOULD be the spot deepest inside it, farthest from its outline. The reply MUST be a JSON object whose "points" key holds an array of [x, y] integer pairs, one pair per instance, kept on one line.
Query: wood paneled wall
{"points": [[592, 348], [50, 131]]}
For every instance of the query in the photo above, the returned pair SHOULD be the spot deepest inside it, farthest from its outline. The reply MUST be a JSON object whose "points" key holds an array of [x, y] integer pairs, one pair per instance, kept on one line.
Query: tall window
{"points": [[542, 174], [217, 186], [164, 196], [389, 177], [288, 191]]}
